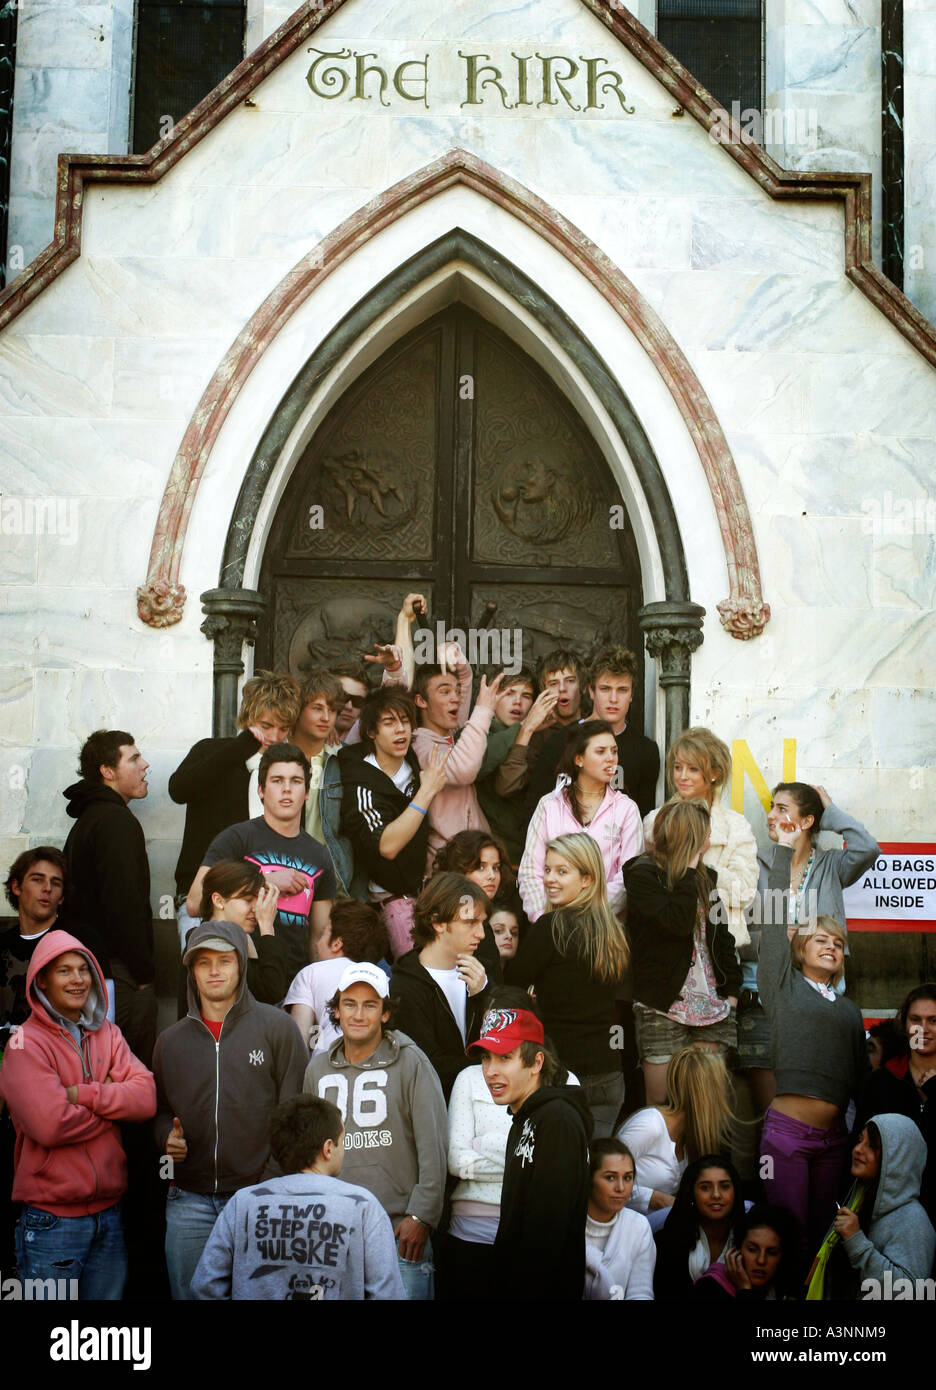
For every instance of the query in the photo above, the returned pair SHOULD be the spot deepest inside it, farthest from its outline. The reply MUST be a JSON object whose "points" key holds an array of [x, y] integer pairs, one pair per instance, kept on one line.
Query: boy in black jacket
{"points": [[539, 1249], [440, 987], [216, 782], [385, 797], [108, 905]]}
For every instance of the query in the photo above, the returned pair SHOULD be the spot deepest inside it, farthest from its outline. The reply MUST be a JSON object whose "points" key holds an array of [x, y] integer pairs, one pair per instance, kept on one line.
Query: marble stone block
{"points": [[17, 700]]}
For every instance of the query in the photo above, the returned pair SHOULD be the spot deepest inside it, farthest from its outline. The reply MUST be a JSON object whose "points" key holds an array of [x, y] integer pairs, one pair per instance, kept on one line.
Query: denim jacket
{"points": [[352, 884]]}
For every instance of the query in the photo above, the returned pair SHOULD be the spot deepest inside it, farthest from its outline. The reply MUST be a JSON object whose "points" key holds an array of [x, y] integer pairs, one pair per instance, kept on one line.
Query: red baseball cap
{"points": [[504, 1029]]}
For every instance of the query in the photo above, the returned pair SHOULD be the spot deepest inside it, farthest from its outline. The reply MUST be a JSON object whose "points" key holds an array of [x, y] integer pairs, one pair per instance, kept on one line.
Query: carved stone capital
{"points": [[743, 617], [160, 604], [230, 621], [673, 631]]}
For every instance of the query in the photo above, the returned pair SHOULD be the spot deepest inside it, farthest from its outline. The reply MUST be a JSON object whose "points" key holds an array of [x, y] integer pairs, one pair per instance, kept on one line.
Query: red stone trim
{"points": [[743, 613], [76, 170]]}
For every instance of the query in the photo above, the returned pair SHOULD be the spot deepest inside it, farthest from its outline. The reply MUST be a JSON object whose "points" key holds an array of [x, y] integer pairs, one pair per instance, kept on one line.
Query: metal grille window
{"points": [[720, 42], [183, 50]]}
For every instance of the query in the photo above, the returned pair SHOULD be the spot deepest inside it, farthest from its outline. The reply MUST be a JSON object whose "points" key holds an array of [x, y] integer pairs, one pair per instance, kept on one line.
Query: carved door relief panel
{"points": [[454, 466]]}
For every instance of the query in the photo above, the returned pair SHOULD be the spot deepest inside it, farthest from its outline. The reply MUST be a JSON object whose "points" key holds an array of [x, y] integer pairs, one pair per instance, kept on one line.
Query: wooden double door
{"points": [[455, 466]]}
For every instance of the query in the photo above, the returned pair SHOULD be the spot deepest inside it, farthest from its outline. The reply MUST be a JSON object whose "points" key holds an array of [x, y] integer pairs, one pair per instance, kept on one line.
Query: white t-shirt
{"points": [[315, 985], [456, 992], [254, 804], [313, 814], [658, 1168]]}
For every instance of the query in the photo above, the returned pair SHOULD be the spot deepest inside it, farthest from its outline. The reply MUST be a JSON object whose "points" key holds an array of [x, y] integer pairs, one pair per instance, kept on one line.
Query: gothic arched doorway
{"points": [[453, 465]]}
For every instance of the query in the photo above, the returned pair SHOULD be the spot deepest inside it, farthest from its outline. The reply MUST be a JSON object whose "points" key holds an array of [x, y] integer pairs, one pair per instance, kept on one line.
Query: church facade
{"points": [[500, 304]]}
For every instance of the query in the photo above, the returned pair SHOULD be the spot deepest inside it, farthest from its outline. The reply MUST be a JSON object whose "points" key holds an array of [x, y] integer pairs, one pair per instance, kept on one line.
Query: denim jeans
{"points": [[190, 1219], [418, 1276], [605, 1096], [88, 1249]]}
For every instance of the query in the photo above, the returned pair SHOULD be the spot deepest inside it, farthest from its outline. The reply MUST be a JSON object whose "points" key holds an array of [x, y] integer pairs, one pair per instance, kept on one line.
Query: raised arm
{"points": [[532, 865], [861, 848], [211, 758], [774, 964]]}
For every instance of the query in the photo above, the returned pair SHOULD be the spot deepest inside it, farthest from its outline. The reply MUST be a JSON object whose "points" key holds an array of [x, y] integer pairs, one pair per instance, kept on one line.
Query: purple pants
{"points": [[805, 1172], [397, 915]]}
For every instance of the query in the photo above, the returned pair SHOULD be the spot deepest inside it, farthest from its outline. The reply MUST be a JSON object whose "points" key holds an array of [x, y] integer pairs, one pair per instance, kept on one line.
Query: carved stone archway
{"points": [[743, 613], [673, 627]]}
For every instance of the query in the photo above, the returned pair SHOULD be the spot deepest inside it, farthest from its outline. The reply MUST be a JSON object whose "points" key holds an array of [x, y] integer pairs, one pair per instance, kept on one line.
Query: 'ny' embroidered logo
{"points": [[256, 1058]]}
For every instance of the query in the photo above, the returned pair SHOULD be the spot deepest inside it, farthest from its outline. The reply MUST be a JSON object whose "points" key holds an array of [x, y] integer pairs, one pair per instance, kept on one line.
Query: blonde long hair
{"points": [[698, 1087], [704, 750], [679, 832], [587, 924]]}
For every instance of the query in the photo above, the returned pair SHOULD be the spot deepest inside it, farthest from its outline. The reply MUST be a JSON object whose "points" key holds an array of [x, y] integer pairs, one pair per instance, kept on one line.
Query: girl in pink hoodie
{"points": [[585, 801]]}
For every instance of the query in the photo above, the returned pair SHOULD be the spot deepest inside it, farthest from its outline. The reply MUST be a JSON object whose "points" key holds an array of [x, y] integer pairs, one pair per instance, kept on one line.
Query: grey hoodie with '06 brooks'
{"points": [[396, 1124]]}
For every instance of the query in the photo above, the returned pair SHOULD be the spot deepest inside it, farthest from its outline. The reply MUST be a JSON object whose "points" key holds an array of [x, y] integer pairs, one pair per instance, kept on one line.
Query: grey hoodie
{"points": [[396, 1124], [224, 1092], [302, 1238], [900, 1238]]}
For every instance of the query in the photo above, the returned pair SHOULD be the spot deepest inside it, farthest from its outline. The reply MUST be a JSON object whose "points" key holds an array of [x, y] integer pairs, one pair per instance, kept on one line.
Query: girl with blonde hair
{"points": [[575, 957], [698, 766], [585, 801], [820, 1057], [693, 1120], [685, 972]]}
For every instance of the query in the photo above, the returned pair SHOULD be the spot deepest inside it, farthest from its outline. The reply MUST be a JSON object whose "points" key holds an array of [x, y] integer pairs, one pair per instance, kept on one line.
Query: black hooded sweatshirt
{"points": [[539, 1250], [108, 902]]}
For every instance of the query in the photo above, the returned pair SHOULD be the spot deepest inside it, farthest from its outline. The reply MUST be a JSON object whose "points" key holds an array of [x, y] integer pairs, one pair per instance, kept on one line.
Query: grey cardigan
{"points": [[833, 870], [817, 1044]]}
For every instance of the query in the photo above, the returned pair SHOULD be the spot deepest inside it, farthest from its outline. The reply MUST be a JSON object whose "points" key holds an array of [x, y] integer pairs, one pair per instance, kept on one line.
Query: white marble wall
{"points": [[72, 93], [827, 409], [920, 154], [823, 77]]}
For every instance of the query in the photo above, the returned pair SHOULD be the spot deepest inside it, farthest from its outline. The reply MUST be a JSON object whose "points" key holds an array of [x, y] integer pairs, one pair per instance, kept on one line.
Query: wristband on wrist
{"points": [[418, 1219], [421, 809]]}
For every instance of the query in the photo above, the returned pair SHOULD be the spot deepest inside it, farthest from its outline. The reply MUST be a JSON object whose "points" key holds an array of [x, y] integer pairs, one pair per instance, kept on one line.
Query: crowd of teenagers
{"points": [[423, 942]]}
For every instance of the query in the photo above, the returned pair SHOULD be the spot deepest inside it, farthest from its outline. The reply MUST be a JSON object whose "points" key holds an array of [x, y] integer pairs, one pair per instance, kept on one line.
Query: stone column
{"points": [[673, 632], [230, 621]]}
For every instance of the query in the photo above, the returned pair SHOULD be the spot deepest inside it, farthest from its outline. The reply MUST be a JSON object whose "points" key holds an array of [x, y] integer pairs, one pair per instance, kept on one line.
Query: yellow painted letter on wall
{"points": [[742, 763]]}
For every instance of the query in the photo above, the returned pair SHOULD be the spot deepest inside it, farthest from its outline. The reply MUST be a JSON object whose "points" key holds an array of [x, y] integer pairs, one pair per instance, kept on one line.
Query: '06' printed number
{"points": [[368, 1101]]}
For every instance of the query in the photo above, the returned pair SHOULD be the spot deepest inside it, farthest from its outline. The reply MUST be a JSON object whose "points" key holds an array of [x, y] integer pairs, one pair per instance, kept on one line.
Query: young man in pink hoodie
{"points": [[68, 1077], [443, 695]]}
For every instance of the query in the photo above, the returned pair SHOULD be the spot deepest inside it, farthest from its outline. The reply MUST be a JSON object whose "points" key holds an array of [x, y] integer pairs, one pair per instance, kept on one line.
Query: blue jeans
{"points": [[418, 1276], [87, 1249], [190, 1219]]}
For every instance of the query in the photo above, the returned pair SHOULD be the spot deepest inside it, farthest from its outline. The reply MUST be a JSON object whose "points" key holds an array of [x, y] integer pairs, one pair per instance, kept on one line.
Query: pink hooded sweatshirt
{"points": [[69, 1160], [615, 827], [456, 807]]}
